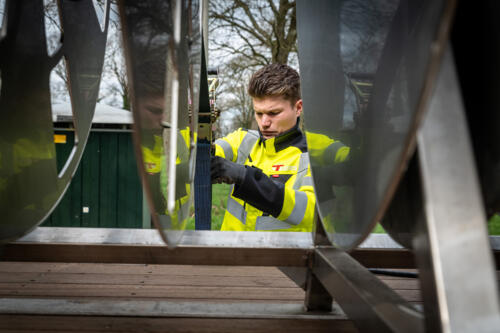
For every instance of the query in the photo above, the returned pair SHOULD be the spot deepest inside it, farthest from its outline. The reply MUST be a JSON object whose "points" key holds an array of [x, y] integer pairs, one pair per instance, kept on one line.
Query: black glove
{"points": [[224, 171]]}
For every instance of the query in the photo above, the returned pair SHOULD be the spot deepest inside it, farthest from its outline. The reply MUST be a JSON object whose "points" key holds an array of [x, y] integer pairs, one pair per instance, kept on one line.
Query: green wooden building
{"points": [[106, 190]]}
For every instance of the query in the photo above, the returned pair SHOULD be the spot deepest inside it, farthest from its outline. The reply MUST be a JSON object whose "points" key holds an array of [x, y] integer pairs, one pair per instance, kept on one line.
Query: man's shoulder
{"points": [[246, 130], [318, 141], [241, 133]]}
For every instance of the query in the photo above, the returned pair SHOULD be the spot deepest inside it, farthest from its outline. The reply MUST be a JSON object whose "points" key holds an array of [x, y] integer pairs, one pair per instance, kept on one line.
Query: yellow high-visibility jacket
{"points": [[155, 165], [324, 150], [277, 193]]}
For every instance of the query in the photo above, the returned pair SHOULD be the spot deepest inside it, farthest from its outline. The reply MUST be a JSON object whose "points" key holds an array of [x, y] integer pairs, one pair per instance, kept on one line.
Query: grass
{"points": [[219, 198], [378, 229], [494, 225]]}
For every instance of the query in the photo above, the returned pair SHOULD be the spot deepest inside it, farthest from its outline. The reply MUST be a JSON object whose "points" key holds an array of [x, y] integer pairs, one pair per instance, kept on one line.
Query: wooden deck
{"points": [[160, 298]]}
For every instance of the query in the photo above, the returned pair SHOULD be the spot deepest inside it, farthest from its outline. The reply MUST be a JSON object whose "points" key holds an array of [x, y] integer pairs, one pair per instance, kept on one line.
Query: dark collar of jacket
{"points": [[292, 137]]}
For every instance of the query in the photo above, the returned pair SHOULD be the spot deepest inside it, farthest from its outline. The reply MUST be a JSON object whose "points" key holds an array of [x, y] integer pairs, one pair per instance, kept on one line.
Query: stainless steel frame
{"points": [[41, 306], [31, 183], [402, 46], [452, 248], [365, 299], [344, 276]]}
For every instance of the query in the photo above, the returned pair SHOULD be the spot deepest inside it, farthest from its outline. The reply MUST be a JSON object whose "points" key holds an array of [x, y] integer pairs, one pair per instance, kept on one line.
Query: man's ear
{"points": [[298, 107]]}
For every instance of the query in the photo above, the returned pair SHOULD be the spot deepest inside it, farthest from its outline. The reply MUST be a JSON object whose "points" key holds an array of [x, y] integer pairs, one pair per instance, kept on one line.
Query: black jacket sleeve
{"points": [[261, 192]]}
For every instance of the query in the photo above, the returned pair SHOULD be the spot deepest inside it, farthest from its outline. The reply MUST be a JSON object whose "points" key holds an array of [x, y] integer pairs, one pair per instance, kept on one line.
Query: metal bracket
{"points": [[372, 305]]}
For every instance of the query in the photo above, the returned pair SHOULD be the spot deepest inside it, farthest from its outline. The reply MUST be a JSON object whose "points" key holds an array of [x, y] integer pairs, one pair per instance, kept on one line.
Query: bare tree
{"points": [[53, 31], [261, 31], [115, 89], [114, 86], [246, 35], [233, 97], [236, 99]]}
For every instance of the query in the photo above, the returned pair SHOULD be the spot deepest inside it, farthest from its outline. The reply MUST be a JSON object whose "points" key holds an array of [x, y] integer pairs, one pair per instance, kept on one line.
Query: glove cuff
{"points": [[240, 175]]}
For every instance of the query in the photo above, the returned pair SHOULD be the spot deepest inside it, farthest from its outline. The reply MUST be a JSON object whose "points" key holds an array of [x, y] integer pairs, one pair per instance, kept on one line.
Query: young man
{"points": [[273, 187]]}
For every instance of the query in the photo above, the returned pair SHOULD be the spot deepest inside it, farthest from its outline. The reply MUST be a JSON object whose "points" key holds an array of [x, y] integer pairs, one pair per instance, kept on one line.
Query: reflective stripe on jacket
{"points": [[326, 151], [277, 193], [155, 165]]}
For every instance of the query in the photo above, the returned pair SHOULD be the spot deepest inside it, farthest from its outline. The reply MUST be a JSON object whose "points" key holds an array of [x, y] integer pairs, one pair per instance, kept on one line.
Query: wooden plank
{"points": [[142, 254], [44, 282], [133, 298], [192, 255], [146, 279], [161, 292], [201, 325], [115, 269]]}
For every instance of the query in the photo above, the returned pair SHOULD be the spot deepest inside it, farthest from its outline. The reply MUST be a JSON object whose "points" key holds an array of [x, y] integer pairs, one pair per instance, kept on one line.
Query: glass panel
{"points": [[30, 186], [478, 69], [363, 67], [100, 10], [52, 26], [2, 16], [59, 95], [84, 48], [165, 79]]}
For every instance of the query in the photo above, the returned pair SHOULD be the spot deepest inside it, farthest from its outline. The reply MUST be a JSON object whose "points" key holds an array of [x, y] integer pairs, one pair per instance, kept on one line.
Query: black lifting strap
{"points": [[203, 187]]}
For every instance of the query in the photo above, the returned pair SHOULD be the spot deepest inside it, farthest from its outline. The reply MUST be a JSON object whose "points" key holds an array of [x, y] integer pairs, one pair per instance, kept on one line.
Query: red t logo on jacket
{"points": [[277, 167]]}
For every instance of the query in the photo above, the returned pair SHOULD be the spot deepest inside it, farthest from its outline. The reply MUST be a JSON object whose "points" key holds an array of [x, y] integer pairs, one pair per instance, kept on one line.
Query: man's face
{"points": [[275, 115], [151, 111]]}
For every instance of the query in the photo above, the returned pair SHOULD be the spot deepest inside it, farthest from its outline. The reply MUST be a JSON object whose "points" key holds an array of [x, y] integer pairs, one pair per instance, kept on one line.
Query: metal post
{"points": [[372, 305], [146, 214], [317, 297], [453, 254]]}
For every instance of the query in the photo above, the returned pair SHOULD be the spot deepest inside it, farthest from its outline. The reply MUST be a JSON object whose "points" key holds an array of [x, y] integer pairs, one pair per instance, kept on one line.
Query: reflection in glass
{"points": [[361, 84], [100, 10], [30, 185], [161, 66], [2, 16], [52, 26]]}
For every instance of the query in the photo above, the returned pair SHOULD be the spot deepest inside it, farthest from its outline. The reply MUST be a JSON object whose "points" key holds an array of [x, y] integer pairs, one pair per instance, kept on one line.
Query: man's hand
{"points": [[224, 171]]}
